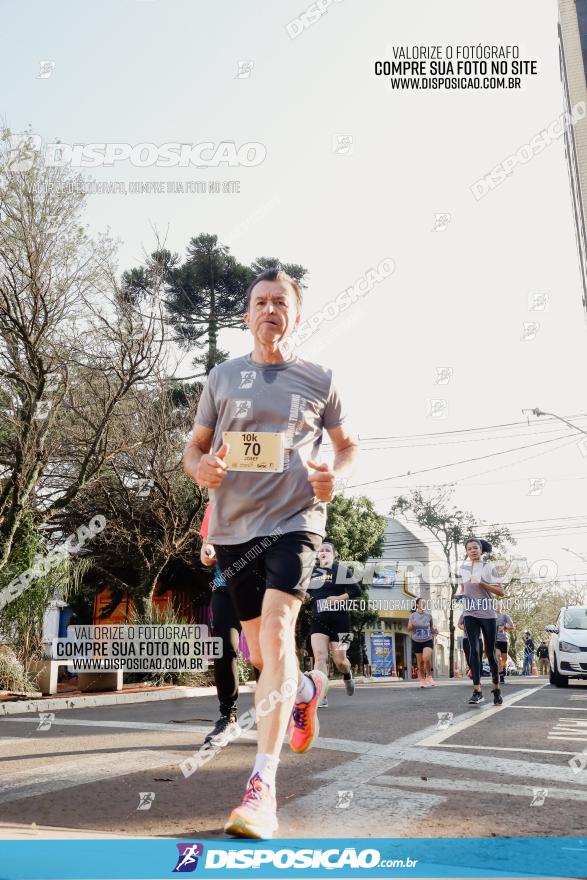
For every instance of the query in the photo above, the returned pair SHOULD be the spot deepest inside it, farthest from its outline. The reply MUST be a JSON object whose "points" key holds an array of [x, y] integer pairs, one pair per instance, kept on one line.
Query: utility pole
{"points": [[539, 412]]}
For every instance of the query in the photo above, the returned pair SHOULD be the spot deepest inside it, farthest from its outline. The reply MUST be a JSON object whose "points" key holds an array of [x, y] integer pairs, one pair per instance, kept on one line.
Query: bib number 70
{"points": [[251, 444]]}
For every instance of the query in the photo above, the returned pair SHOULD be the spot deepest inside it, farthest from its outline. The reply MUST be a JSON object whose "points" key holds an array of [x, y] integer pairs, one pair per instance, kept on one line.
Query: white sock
{"points": [[305, 690], [266, 767]]}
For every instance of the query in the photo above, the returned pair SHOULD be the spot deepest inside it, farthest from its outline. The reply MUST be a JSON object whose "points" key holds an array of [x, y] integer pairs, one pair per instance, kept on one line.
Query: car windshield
{"points": [[576, 618]]}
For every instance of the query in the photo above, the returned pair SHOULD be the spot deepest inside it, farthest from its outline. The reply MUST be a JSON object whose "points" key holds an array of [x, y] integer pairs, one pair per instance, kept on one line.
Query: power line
{"points": [[434, 434], [425, 445], [453, 463], [479, 473], [523, 424]]}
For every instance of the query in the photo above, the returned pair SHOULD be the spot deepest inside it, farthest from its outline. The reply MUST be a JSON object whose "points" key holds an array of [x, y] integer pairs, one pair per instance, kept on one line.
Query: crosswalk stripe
{"points": [[554, 708], [522, 749], [124, 725], [128, 725], [569, 738], [473, 785], [497, 764]]}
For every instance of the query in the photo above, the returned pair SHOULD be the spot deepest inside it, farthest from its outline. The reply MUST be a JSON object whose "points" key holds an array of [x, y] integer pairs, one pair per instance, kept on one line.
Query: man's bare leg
{"points": [[280, 666], [339, 655], [320, 643]]}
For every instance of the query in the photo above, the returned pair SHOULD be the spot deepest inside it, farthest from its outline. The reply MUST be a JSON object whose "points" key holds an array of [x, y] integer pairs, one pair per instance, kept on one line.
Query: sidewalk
{"points": [[11, 704]]}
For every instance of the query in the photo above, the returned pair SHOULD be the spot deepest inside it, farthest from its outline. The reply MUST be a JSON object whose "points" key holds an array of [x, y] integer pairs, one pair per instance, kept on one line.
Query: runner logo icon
{"points": [[242, 408], [187, 859]]}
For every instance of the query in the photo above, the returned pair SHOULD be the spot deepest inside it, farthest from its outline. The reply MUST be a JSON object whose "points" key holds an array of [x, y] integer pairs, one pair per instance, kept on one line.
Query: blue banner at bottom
{"points": [[157, 858]]}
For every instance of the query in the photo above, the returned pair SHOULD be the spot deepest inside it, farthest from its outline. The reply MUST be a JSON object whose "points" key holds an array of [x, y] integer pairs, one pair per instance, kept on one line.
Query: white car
{"points": [[567, 647]]}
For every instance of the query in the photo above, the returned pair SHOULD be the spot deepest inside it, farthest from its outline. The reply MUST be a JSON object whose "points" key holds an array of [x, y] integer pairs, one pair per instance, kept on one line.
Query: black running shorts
{"points": [[284, 563], [419, 646], [331, 624], [502, 646]]}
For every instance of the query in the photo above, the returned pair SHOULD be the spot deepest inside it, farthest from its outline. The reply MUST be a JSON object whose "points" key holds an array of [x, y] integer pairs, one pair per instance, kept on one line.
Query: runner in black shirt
{"points": [[331, 628]]}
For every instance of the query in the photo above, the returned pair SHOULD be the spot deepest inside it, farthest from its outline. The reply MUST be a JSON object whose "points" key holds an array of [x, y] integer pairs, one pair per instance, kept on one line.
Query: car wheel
{"points": [[556, 678]]}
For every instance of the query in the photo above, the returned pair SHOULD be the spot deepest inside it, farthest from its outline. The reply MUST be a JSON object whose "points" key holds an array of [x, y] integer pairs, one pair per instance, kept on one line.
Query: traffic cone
{"points": [[534, 669]]}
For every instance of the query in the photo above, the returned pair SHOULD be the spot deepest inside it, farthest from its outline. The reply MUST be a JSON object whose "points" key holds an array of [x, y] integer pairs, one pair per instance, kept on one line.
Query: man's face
{"points": [[273, 313], [326, 556]]}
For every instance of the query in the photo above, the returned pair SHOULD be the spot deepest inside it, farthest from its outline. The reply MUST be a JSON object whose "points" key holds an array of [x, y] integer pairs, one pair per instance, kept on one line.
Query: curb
{"points": [[91, 701]]}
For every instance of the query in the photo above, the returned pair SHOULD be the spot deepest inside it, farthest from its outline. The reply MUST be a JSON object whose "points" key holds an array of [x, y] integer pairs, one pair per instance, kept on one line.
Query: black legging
{"points": [[474, 626], [467, 652], [225, 625]]}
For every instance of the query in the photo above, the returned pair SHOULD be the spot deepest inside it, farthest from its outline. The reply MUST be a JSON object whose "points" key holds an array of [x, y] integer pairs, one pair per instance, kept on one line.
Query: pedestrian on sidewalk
{"points": [[529, 650], [543, 659]]}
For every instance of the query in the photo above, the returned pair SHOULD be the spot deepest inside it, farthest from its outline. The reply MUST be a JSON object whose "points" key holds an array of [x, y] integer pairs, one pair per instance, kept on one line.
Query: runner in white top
{"points": [[480, 584]]}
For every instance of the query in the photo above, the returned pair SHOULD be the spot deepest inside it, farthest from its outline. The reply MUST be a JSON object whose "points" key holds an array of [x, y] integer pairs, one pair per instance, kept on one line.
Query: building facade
{"points": [[410, 567], [573, 64]]}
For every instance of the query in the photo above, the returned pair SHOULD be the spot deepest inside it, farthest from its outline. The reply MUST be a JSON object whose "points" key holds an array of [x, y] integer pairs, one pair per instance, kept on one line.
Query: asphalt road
{"points": [[391, 761]]}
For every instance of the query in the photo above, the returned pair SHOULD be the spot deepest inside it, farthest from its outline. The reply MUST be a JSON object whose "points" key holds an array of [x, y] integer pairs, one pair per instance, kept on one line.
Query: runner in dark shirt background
{"points": [[328, 626]]}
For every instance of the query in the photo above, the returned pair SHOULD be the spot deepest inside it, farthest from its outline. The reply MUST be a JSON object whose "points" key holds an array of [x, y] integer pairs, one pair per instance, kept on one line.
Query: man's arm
{"points": [[205, 469], [346, 450], [321, 476]]}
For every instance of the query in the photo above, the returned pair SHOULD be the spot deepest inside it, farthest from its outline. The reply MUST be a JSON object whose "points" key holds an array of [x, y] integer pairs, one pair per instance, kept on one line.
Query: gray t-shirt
{"points": [[422, 620], [297, 398], [502, 634], [478, 601]]}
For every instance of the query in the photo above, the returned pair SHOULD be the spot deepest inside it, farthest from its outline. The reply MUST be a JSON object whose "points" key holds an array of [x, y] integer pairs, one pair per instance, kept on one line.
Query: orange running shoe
{"points": [[256, 816], [303, 726], [430, 681], [421, 679]]}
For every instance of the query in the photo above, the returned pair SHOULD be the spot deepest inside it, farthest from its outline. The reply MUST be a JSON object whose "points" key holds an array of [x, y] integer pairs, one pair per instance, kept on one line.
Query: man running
{"points": [[255, 443], [422, 631], [505, 625], [329, 627]]}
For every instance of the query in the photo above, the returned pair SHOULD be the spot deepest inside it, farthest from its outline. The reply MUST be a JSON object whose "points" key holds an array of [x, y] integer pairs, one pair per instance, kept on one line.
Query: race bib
{"points": [[255, 451], [423, 633]]}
